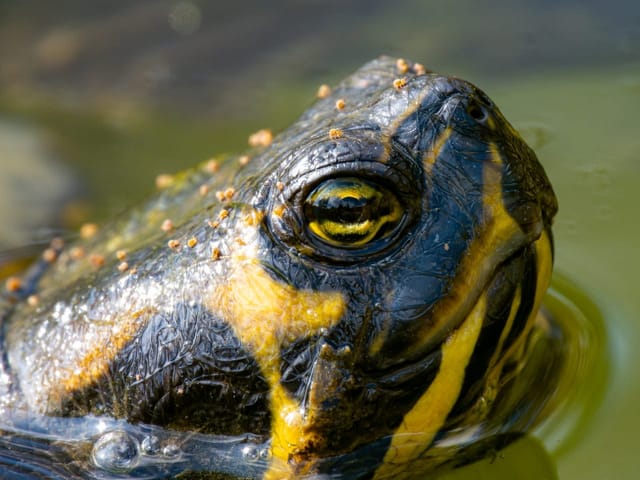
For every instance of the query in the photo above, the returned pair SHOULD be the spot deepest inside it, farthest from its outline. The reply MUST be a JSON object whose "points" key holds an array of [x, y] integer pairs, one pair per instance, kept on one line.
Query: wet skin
{"points": [[363, 283]]}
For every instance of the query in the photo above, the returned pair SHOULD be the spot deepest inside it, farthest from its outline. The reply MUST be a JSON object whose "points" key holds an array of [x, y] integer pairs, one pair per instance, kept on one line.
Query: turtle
{"points": [[357, 297]]}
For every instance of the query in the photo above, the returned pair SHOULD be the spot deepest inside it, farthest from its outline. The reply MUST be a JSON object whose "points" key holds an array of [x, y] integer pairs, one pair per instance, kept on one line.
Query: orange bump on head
{"points": [[123, 267], [280, 186], [121, 255], [226, 195], [203, 190], [244, 160], [173, 244], [96, 260], [224, 213], [399, 83], [13, 284], [76, 253], [192, 242], [335, 133], [49, 255], [167, 225], [88, 230], [419, 69], [215, 254], [323, 91], [212, 166], [164, 180], [402, 66], [33, 300], [340, 104], [261, 138]]}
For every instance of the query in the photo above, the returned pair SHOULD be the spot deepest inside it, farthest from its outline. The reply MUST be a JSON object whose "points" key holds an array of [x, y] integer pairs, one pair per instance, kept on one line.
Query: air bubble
{"points": [[265, 453], [250, 453], [150, 445], [171, 450], [115, 451]]}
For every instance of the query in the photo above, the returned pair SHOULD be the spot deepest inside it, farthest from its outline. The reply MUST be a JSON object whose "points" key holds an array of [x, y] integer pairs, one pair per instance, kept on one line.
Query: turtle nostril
{"points": [[477, 112]]}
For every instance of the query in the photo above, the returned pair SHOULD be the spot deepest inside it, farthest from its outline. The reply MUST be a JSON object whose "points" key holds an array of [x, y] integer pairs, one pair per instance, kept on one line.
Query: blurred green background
{"points": [[98, 97]]}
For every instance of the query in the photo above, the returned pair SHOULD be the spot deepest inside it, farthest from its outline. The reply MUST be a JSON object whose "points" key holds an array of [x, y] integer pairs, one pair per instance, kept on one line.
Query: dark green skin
{"points": [[187, 370]]}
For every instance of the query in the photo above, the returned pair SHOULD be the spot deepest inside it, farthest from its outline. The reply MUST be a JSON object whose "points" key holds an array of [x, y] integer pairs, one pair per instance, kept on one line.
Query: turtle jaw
{"points": [[331, 435], [337, 424]]}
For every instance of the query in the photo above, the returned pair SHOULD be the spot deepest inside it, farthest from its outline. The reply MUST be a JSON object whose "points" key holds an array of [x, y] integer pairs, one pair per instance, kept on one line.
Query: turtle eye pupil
{"points": [[351, 212], [342, 210]]}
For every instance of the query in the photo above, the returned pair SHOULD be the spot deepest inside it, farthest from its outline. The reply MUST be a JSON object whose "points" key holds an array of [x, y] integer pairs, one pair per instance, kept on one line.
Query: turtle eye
{"points": [[351, 212]]}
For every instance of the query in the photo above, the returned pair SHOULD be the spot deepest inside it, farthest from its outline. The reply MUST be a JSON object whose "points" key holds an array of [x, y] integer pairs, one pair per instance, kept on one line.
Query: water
{"points": [[93, 447], [122, 107], [593, 161]]}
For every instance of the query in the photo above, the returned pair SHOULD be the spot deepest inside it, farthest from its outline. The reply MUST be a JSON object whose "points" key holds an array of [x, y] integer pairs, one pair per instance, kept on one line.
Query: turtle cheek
{"points": [[527, 193], [528, 215], [349, 402]]}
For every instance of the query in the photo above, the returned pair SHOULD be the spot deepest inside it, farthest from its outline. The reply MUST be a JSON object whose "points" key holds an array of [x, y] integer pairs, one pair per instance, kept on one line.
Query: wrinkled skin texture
{"points": [[271, 316]]}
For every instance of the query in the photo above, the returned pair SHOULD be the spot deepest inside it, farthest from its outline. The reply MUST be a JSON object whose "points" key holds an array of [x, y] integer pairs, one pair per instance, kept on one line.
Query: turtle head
{"points": [[425, 210]]}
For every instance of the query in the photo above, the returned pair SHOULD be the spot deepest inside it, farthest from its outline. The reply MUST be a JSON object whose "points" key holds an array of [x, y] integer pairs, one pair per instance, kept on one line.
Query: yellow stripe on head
{"points": [[267, 315], [500, 235], [433, 153]]}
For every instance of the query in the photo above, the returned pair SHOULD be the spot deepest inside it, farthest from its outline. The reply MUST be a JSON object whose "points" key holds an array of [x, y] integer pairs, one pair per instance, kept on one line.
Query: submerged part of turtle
{"points": [[357, 298]]}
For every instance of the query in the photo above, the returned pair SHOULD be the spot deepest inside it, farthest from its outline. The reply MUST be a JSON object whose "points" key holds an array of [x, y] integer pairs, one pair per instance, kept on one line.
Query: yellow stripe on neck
{"points": [[427, 417]]}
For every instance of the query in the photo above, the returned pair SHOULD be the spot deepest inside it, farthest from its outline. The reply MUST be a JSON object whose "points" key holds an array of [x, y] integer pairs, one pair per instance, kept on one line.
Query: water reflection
{"points": [[99, 447]]}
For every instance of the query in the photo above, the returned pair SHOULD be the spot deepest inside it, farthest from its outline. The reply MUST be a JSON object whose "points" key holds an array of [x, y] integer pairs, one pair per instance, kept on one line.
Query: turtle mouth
{"points": [[338, 381], [417, 332], [412, 364]]}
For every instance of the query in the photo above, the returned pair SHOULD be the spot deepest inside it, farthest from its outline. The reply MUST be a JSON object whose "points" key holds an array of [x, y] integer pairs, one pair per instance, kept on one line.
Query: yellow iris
{"points": [[351, 212]]}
